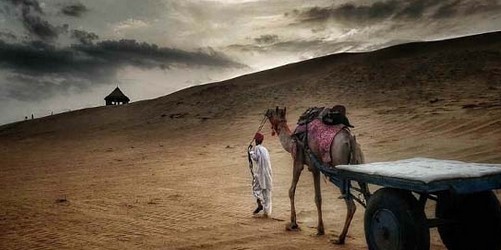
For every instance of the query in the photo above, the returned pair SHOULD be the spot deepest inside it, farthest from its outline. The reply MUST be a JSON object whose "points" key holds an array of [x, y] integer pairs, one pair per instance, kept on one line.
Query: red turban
{"points": [[259, 137]]}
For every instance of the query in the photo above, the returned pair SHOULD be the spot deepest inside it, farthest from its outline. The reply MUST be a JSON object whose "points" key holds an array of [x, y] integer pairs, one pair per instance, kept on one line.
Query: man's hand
{"points": [[249, 147]]}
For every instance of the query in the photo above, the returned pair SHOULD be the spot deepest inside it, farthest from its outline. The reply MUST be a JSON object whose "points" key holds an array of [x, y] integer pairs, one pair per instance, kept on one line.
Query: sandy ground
{"points": [[171, 173]]}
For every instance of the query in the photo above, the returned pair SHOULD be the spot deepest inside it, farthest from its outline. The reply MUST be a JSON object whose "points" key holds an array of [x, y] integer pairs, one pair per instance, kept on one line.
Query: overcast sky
{"points": [[60, 55]]}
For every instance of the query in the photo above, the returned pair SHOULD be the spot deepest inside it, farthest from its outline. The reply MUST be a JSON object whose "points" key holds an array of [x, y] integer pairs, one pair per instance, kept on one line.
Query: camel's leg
{"points": [[365, 191], [340, 154], [350, 211], [318, 201], [296, 172]]}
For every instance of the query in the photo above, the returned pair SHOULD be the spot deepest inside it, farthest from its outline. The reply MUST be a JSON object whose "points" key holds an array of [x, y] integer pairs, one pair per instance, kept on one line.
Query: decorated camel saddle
{"points": [[330, 116], [322, 124]]}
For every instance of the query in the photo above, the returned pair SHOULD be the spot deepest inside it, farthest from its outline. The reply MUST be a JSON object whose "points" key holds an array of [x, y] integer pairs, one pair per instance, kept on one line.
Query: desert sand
{"points": [[172, 173]]}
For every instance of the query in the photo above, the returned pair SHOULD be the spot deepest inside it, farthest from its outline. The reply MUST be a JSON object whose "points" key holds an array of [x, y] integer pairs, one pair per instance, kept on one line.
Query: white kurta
{"points": [[262, 184]]}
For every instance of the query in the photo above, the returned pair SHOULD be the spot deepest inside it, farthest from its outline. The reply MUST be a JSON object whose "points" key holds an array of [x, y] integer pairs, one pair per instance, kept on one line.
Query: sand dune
{"points": [[171, 173]]}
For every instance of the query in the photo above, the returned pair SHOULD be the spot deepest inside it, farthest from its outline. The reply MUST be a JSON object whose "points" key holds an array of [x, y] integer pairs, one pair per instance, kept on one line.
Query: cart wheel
{"points": [[475, 221], [393, 221]]}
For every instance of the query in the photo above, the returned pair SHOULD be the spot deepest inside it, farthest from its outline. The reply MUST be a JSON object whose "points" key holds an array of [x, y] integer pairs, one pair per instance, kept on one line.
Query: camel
{"points": [[344, 150]]}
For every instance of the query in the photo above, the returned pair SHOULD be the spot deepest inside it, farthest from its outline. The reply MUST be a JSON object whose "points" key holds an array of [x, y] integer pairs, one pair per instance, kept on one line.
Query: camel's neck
{"points": [[284, 135]]}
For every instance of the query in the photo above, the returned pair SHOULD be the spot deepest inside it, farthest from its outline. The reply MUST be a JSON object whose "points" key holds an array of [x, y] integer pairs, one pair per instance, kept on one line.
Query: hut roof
{"points": [[117, 94]]}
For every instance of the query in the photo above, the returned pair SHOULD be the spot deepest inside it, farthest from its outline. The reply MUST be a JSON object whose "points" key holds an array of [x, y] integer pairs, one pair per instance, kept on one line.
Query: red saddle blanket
{"points": [[324, 137]]}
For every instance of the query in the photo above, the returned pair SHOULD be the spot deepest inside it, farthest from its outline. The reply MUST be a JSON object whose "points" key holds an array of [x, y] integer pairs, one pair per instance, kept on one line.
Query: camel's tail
{"points": [[357, 156]]}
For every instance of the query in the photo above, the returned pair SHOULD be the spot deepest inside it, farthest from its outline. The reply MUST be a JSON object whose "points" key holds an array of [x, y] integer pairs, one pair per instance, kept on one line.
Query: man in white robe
{"points": [[262, 182]]}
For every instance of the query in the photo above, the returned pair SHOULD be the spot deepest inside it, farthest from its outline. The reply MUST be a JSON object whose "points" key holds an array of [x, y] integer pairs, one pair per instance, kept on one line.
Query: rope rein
{"points": [[259, 129]]}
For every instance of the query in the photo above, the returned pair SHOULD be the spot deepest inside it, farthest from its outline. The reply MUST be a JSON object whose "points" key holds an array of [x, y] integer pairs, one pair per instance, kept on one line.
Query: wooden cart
{"points": [[468, 213]]}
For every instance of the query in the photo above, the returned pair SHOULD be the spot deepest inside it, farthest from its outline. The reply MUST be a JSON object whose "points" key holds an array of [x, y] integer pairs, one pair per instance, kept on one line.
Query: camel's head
{"points": [[276, 117]]}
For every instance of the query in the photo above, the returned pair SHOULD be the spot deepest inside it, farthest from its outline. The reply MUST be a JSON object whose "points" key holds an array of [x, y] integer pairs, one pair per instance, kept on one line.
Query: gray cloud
{"points": [[30, 13], [393, 10], [36, 88], [44, 67], [42, 59], [475, 7], [376, 11], [141, 54], [7, 35], [83, 36], [74, 10], [347, 12], [266, 39], [41, 28], [447, 10], [27, 5], [417, 8]]}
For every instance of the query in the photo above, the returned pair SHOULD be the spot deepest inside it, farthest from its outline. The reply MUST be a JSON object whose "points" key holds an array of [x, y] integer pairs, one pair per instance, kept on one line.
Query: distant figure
{"points": [[262, 181], [32, 117]]}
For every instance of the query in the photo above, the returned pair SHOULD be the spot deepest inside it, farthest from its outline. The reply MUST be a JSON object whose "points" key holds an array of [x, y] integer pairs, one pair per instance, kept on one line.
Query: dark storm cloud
{"points": [[394, 10], [74, 10], [41, 28], [49, 68], [376, 11], [39, 58], [30, 13], [348, 12], [83, 36], [141, 54]]}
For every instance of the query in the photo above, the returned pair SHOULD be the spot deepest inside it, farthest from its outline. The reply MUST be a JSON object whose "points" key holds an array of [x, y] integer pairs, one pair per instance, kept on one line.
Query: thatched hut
{"points": [[116, 97]]}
